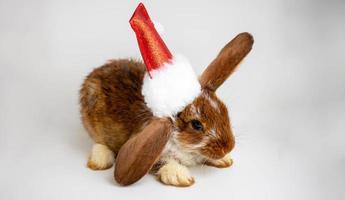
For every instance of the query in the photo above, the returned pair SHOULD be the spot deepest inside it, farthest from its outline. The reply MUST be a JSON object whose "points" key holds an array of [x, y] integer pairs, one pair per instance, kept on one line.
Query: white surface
{"points": [[287, 100]]}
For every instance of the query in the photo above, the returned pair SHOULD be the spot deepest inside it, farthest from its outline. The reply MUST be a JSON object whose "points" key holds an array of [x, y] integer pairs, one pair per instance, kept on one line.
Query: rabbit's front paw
{"points": [[173, 173], [101, 157], [224, 162]]}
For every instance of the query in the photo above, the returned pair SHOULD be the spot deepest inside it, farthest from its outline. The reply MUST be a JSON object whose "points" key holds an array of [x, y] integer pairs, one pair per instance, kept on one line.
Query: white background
{"points": [[286, 101]]}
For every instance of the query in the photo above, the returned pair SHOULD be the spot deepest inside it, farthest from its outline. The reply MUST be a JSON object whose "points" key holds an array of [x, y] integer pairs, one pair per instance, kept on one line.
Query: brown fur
{"points": [[227, 61], [215, 118], [113, 108], [143, 155]]}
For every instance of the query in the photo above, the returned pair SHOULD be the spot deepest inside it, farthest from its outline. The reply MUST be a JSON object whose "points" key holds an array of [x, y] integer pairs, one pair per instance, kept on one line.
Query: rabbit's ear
{"points": [[226, 61], [137, 156]]}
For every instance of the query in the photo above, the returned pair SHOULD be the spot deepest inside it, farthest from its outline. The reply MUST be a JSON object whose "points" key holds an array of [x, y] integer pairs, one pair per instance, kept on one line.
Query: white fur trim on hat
{"points": [[172, 87]]}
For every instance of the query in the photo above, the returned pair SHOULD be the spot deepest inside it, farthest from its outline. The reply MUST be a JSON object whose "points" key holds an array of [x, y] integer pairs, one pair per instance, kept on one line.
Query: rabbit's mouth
{"points": [[214, 155]]}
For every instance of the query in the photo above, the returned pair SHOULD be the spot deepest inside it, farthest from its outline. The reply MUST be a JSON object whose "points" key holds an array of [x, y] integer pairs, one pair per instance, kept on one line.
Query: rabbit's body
{"points": [[113, 110], [112, 105]]}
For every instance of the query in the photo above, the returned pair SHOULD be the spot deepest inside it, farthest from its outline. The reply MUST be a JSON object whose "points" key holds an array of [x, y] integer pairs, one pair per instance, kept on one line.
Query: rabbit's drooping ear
{"points": [[137, 156], [226, 61]]}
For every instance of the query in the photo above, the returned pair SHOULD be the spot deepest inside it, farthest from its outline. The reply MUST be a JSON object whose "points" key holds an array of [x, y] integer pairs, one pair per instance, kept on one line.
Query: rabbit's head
{"points": [[203, 126]]}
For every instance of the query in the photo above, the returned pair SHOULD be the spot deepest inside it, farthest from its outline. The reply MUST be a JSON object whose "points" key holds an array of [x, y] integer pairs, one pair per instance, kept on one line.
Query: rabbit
{"points": [[113, 110]]}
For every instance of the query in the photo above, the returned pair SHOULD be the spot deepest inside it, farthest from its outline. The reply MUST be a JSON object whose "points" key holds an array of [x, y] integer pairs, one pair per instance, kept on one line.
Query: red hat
{"points": [[170, 83], [153, 49]]}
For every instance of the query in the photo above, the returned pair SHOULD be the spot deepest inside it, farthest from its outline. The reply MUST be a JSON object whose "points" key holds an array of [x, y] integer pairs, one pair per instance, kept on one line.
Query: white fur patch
{"points": [[101, 156], [171, 88], [195, 111], [201, 144], [212, 102], [226, 161], [173, 173], [213, 132], [186, 155]]}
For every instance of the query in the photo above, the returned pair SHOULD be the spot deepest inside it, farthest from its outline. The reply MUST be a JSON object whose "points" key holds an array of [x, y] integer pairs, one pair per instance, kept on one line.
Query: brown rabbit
{"points": [[113, 110]]}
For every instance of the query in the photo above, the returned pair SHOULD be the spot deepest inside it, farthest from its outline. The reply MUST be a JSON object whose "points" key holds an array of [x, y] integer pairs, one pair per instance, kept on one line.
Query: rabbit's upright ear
{"points": [[226, 61], [137, 156]]}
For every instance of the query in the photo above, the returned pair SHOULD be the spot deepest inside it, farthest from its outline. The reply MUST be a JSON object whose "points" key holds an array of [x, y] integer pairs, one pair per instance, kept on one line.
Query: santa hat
{"points": [[170, 83]]}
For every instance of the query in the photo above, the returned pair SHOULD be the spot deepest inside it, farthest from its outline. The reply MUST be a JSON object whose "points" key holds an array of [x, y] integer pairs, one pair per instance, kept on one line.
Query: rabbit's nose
{"points": [[228, 146]]}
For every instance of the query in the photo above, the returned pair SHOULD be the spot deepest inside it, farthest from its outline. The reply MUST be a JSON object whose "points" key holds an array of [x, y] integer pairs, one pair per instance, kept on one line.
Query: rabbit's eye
{"points": [[196, 124]]}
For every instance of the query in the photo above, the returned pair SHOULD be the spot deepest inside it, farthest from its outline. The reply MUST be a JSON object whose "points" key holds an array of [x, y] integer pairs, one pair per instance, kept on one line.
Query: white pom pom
{"points": [[159, 27], [172, 87]]}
